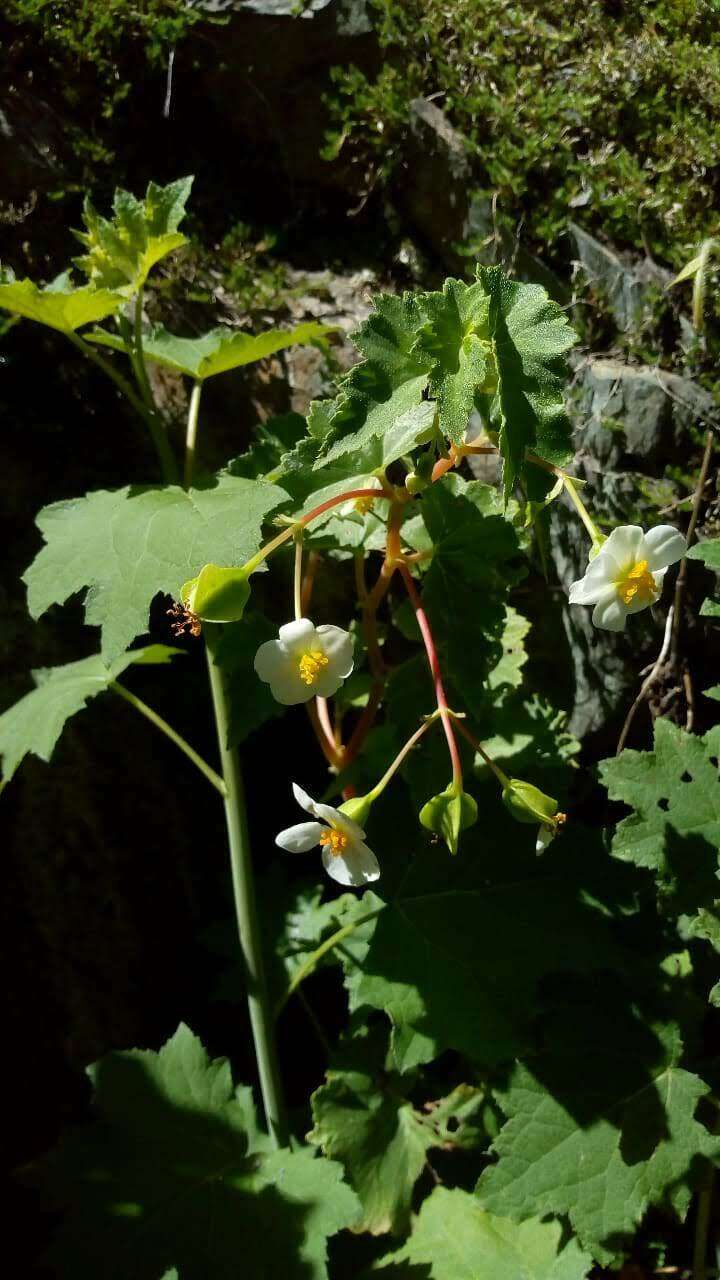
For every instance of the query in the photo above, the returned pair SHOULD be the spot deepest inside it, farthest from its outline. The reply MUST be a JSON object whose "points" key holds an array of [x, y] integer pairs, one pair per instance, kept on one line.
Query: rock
{"points": [[339, 299], [631, 421], [436, 196], [628, 288]]}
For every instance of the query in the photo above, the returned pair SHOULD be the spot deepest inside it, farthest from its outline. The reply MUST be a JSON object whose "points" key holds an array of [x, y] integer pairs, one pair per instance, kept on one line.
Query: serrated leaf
{"points": [[34, 724], [454, 1239], [600, 1126], [709, 553], [455, 960], [530, 336], [508, 671], [675, 792], [217, 351], [122, 250], [466, 586], [172, 1168], [456, 339], [129, 545], [65, 309], [363, 1119], [388, 382]]}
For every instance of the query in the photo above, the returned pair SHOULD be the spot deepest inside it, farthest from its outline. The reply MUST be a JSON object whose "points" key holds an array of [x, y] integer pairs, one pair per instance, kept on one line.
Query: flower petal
{"points": [[610, 613], [306, 802], [356, 867], [270, 661], [300, 838], [337, 645], [296, 637], [625, 545], [664, 545]]}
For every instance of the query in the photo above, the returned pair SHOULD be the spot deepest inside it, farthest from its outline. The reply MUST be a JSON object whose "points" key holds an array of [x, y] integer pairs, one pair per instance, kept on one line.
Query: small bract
{"points": [[305, 661], [626, 574], [345, 856]]}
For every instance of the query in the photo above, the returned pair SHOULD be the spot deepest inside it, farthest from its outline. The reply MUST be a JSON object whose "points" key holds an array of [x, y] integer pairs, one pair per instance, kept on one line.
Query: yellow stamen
{"points": [[335, 840], [311, 664], [363, 505], [637, 583]]}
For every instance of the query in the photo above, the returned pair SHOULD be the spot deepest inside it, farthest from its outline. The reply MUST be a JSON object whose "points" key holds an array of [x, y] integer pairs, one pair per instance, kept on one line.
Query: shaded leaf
{"points": [[35, 723], [172, 1167]]}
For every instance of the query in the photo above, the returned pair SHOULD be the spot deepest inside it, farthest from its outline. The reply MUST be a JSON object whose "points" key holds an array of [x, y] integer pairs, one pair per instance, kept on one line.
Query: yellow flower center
{"points": [[336, 841], [311, 664], [637, 584]]}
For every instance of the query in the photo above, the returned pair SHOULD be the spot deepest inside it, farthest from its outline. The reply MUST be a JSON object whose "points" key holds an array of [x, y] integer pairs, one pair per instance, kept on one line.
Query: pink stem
{"points": [[435, 672]]}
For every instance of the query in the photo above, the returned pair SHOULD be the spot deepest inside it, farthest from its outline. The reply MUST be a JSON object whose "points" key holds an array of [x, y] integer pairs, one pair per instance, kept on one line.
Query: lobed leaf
{"points": [[122, 250], [34, 724], [63, 308], [129, 545], [217, 351]]}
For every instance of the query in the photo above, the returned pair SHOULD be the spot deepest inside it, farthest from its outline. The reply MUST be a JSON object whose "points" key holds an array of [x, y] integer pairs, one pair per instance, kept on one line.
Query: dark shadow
{"points": [[689, 873], [147, 1185]]}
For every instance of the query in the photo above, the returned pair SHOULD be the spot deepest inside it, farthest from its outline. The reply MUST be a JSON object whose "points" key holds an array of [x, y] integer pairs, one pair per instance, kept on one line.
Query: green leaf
{"points": [[128, 545], [709, 552], [454, 1239], [456, 338], [449, 813], [217, 594], [363, 1119], [600, 1126], [122, 250], [172, 1168], [65, 309], [530, 336], [466, 586], [508, 671], [675, 829], [387, 383], [217, 351], [456, 958], [35, 723]]}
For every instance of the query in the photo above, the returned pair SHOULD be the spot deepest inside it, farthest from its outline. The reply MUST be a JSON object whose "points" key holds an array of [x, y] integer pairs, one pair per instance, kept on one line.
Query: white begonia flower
{"points": [[345, 856], [544, 836], [305, 661], [627, 572]]}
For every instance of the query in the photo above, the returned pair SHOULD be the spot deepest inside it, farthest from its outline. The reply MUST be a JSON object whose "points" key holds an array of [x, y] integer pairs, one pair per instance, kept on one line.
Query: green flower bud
{"points": [[449, 813], [357, 808], [528, 804], [216, 595]]}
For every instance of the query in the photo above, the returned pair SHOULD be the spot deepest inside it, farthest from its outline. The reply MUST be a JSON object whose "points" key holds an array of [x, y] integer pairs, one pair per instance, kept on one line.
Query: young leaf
{"points": [[172, 1168], [600, 1126], [35, 723], [363, 1119], [456, 338], [122, 250], [530, 336], [454, 1239], [127, 546], [217, 351], [388, 382], [62, 308]]}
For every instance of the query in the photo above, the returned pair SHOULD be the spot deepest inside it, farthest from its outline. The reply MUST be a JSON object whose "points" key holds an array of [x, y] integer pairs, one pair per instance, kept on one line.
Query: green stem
{"points": [[404, 751], [191, 433], [702, 1227], [170, 733], [335, 938], [165, 455], [261, 1019], [141, 372], [574, 496]]}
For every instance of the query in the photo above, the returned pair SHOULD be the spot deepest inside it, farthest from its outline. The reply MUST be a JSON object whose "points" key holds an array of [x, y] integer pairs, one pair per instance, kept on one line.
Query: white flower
{"points": [[346, 857], [627, 572], [305, 662], [544, 836]]}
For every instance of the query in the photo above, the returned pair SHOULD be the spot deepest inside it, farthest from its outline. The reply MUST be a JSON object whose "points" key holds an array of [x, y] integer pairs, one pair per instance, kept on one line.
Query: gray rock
{"points": [[339, 299], [629, 288]]}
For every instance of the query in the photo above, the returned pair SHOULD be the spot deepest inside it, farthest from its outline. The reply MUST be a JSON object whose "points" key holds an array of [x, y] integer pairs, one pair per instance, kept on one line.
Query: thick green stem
{"points": [[141, 372], [165, 454], [574, 496], [191, 433], [702, 1227], [170, 733], [261, 1019]]}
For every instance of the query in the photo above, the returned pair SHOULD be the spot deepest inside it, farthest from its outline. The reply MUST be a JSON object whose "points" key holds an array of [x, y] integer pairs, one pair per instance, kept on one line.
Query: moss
{"points": [[605, 112]]}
